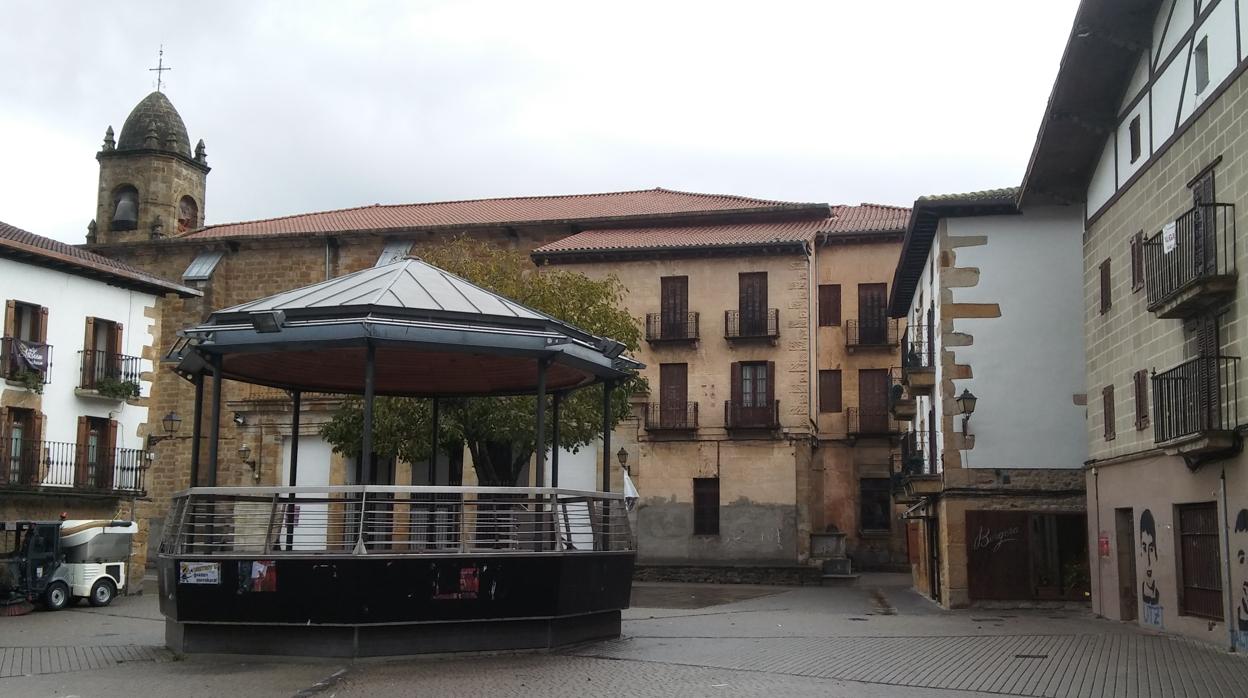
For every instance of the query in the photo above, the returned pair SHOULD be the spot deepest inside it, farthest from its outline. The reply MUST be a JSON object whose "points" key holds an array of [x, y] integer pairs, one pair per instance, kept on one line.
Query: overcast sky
{"points": [[318, 105]]}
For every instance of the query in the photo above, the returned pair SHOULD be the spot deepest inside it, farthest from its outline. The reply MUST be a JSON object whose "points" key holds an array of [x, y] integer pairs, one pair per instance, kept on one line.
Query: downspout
{"points": [[1100, 574], [1226, 550]]}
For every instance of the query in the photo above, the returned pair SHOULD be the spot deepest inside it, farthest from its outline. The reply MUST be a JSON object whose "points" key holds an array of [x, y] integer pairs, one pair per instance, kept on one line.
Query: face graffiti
{"points": [[1148, 546], [1241, 609]]}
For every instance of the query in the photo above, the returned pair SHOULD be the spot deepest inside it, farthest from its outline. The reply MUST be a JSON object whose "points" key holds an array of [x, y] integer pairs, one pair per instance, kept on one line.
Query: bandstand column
{"points": [[540, 439], [606, 435], [197, 428], [433, 447], [554, 439], [214, 427], [296, 400], [366, 448]]}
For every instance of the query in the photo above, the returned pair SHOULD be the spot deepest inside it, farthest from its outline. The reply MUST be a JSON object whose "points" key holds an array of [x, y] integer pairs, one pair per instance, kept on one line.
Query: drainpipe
{"points": [[1226, 554], [1100, 573]]}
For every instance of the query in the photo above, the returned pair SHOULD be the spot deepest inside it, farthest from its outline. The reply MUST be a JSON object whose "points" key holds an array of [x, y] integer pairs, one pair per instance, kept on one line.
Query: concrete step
{"points": [[838, 579]]}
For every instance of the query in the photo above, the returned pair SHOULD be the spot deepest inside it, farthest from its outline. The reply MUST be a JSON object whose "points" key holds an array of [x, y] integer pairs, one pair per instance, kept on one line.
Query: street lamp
{"points": [[244, 454], [622, 456], [170, 423], [966, 405]]}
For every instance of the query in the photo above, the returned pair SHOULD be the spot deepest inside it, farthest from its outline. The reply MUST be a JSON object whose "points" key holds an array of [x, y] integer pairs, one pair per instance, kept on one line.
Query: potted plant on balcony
{"points": [[110, 387], [30, 380]]}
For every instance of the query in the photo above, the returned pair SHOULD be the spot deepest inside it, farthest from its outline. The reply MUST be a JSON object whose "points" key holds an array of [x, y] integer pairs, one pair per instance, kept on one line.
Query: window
{"points": [[673, 395], [94, 459], [830, 391], [1134, 132], [1107, 405], [674, 307], [706, 506], [874, 504], [201, 268], [101, 352], [1141, 398], [393, 251], [873, 313], [1137, 261], [752, 305], [1200, 565], [829, 305], [1201, 58], [24, 345], [1105, 295], [754, 384], [19, 447]]}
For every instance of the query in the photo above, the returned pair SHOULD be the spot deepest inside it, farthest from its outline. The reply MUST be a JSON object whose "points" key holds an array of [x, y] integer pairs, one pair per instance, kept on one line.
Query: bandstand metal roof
{"points": [[434, 333]]}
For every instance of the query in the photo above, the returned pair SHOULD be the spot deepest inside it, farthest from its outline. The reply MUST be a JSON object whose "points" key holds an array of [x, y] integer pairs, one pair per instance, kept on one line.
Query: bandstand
{"points": [[367, 570]]}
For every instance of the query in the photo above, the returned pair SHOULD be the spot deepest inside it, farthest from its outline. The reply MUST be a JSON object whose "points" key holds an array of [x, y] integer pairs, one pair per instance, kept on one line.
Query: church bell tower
{"points": [[151, 182]]}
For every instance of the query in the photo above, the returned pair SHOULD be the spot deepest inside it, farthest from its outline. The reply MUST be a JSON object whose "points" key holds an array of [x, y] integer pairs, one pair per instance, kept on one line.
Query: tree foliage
{"points": [[499, 431]]}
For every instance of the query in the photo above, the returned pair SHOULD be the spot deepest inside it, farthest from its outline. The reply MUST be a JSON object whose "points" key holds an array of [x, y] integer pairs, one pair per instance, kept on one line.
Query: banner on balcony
{"points": [[1169, 237], [31, 357]]}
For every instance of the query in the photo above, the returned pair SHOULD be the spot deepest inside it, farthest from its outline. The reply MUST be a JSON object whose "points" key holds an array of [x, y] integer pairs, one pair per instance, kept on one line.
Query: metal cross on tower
{"points": [[160, 67]]}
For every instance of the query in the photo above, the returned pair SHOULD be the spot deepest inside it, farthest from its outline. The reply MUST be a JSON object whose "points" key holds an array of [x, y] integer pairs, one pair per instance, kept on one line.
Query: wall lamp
{"points": [[244, 454], [622, 456], [966, 405], [170, 423], [267, 321]]}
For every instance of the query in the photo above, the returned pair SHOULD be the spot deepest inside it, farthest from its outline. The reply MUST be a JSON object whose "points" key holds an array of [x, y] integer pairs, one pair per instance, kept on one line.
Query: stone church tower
{"points": [[151, 184]]}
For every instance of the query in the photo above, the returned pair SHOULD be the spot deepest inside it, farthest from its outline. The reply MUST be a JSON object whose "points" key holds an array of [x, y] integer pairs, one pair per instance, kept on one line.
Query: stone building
{"points": [[768, 355], [991, 298], [77, 363], [1145, 130]]}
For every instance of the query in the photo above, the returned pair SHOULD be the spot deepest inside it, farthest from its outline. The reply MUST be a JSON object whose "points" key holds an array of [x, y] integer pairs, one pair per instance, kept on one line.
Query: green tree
{"points": [[499, 431]]}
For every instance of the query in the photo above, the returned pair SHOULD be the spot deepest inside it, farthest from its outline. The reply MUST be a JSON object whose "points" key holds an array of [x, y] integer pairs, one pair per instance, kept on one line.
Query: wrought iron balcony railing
{"points": [[917, 350], [1196, 397], [871, 421], [28, 464], [874, 332], [761, 414], [19, 357], [913, 456], [671, 416], [662, 327], [761, 325], [1203, 253], [100, 368]]}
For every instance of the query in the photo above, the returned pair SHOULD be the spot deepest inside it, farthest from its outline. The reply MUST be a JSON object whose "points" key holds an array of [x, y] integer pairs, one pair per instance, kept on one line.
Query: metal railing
{"points": [[874, 332], [671, 415], [912, 456], [761, 414], [871, 421], [1204, 247], [762, 325], [394, 520], [96, 367], [662, 327], [917, 349], [12, 364], [898, 391], [77, 467], [263, 393], [1197, 396]]}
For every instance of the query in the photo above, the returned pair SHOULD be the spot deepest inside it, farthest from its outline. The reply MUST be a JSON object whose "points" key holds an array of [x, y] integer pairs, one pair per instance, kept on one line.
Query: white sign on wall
{"points": [[1169, 239], [199, 573]]}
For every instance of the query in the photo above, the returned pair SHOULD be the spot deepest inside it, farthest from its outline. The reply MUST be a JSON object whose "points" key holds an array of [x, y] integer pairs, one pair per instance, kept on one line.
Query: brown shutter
{"points": [[1105, 299], [38, 468], [43, 325], [771, 383], [830, 391], [87, 380], [10, 318], [116, 349], [1107, 404], [1141, 399], [829, 305], [6, 420], [80, 454], [108, 459], [1137, 261], [736, 383]]}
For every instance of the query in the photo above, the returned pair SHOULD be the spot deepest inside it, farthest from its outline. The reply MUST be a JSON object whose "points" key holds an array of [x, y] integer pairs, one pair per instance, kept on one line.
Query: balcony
{"points": [[871, 333], [65, 468], [1199, 270], [901, 404], [918, 360], [104, 374], [914, 471], [739, 326], [671, 329], [757, 415], [1196, 408], [675, 416], [25, 363], [871, 421]]}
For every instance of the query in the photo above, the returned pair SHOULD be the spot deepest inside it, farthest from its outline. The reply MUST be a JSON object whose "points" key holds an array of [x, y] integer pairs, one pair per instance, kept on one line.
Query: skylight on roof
{"points": [[201, 268], [394, 251]]}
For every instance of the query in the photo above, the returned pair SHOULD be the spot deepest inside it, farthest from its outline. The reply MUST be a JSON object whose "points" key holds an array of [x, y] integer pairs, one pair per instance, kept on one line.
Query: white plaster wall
{"points": [[1028, 364], [926, 293], [70, 300], [1125, 167], [1103, 183], [1166, 92], [1219, 31], [311, 531]]}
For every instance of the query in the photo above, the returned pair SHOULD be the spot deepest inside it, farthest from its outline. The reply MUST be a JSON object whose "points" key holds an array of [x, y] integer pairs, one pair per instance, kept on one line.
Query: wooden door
{"points": [[873, 400], [1124, 530], [752, 303], [872, 316], [1203, 220], [998, 563], [673, 395], [674, 306]]}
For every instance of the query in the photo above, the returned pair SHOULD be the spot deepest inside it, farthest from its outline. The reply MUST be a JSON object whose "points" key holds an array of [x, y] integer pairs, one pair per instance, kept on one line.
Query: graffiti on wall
{"points": [[1241, 607], [1150, 595]]}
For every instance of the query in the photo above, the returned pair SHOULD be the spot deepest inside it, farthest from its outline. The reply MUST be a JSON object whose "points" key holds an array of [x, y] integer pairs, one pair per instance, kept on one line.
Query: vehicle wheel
{"points": [[56, 596], [102, 592]]}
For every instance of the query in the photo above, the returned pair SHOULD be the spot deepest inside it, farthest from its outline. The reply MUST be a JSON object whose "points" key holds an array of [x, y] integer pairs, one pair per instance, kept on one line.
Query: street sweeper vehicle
{"points": [[58, 563]]}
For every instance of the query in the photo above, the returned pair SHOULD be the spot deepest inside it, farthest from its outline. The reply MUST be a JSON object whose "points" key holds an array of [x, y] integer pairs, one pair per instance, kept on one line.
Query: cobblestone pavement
{"points": [[877, 638]]}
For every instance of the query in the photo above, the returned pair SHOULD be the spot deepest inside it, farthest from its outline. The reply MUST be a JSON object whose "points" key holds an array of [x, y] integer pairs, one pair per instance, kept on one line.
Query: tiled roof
{"points": [[529, 209], [686, 236], [972, 197], [868, 218], [25, 245]]}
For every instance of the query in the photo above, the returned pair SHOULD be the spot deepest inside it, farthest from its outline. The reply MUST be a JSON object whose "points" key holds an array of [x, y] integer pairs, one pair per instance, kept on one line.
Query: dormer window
{"points": [[125, 209]]}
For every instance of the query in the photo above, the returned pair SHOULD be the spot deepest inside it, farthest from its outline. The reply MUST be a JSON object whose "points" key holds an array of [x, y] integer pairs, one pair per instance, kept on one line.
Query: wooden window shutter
{"points": [[771, 382], [1105, 299], [10, 318], [829, 305], [80, 454], [1137, 261], [88, 335], [1107, 404], [6, 421], [1141, 398], [115, 345], [830, 391], [736, 382], [107, 459]]}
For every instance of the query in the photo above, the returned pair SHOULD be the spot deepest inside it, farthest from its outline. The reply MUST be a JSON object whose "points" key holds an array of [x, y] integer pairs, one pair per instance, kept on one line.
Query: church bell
{"points": [[126, 212]]}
